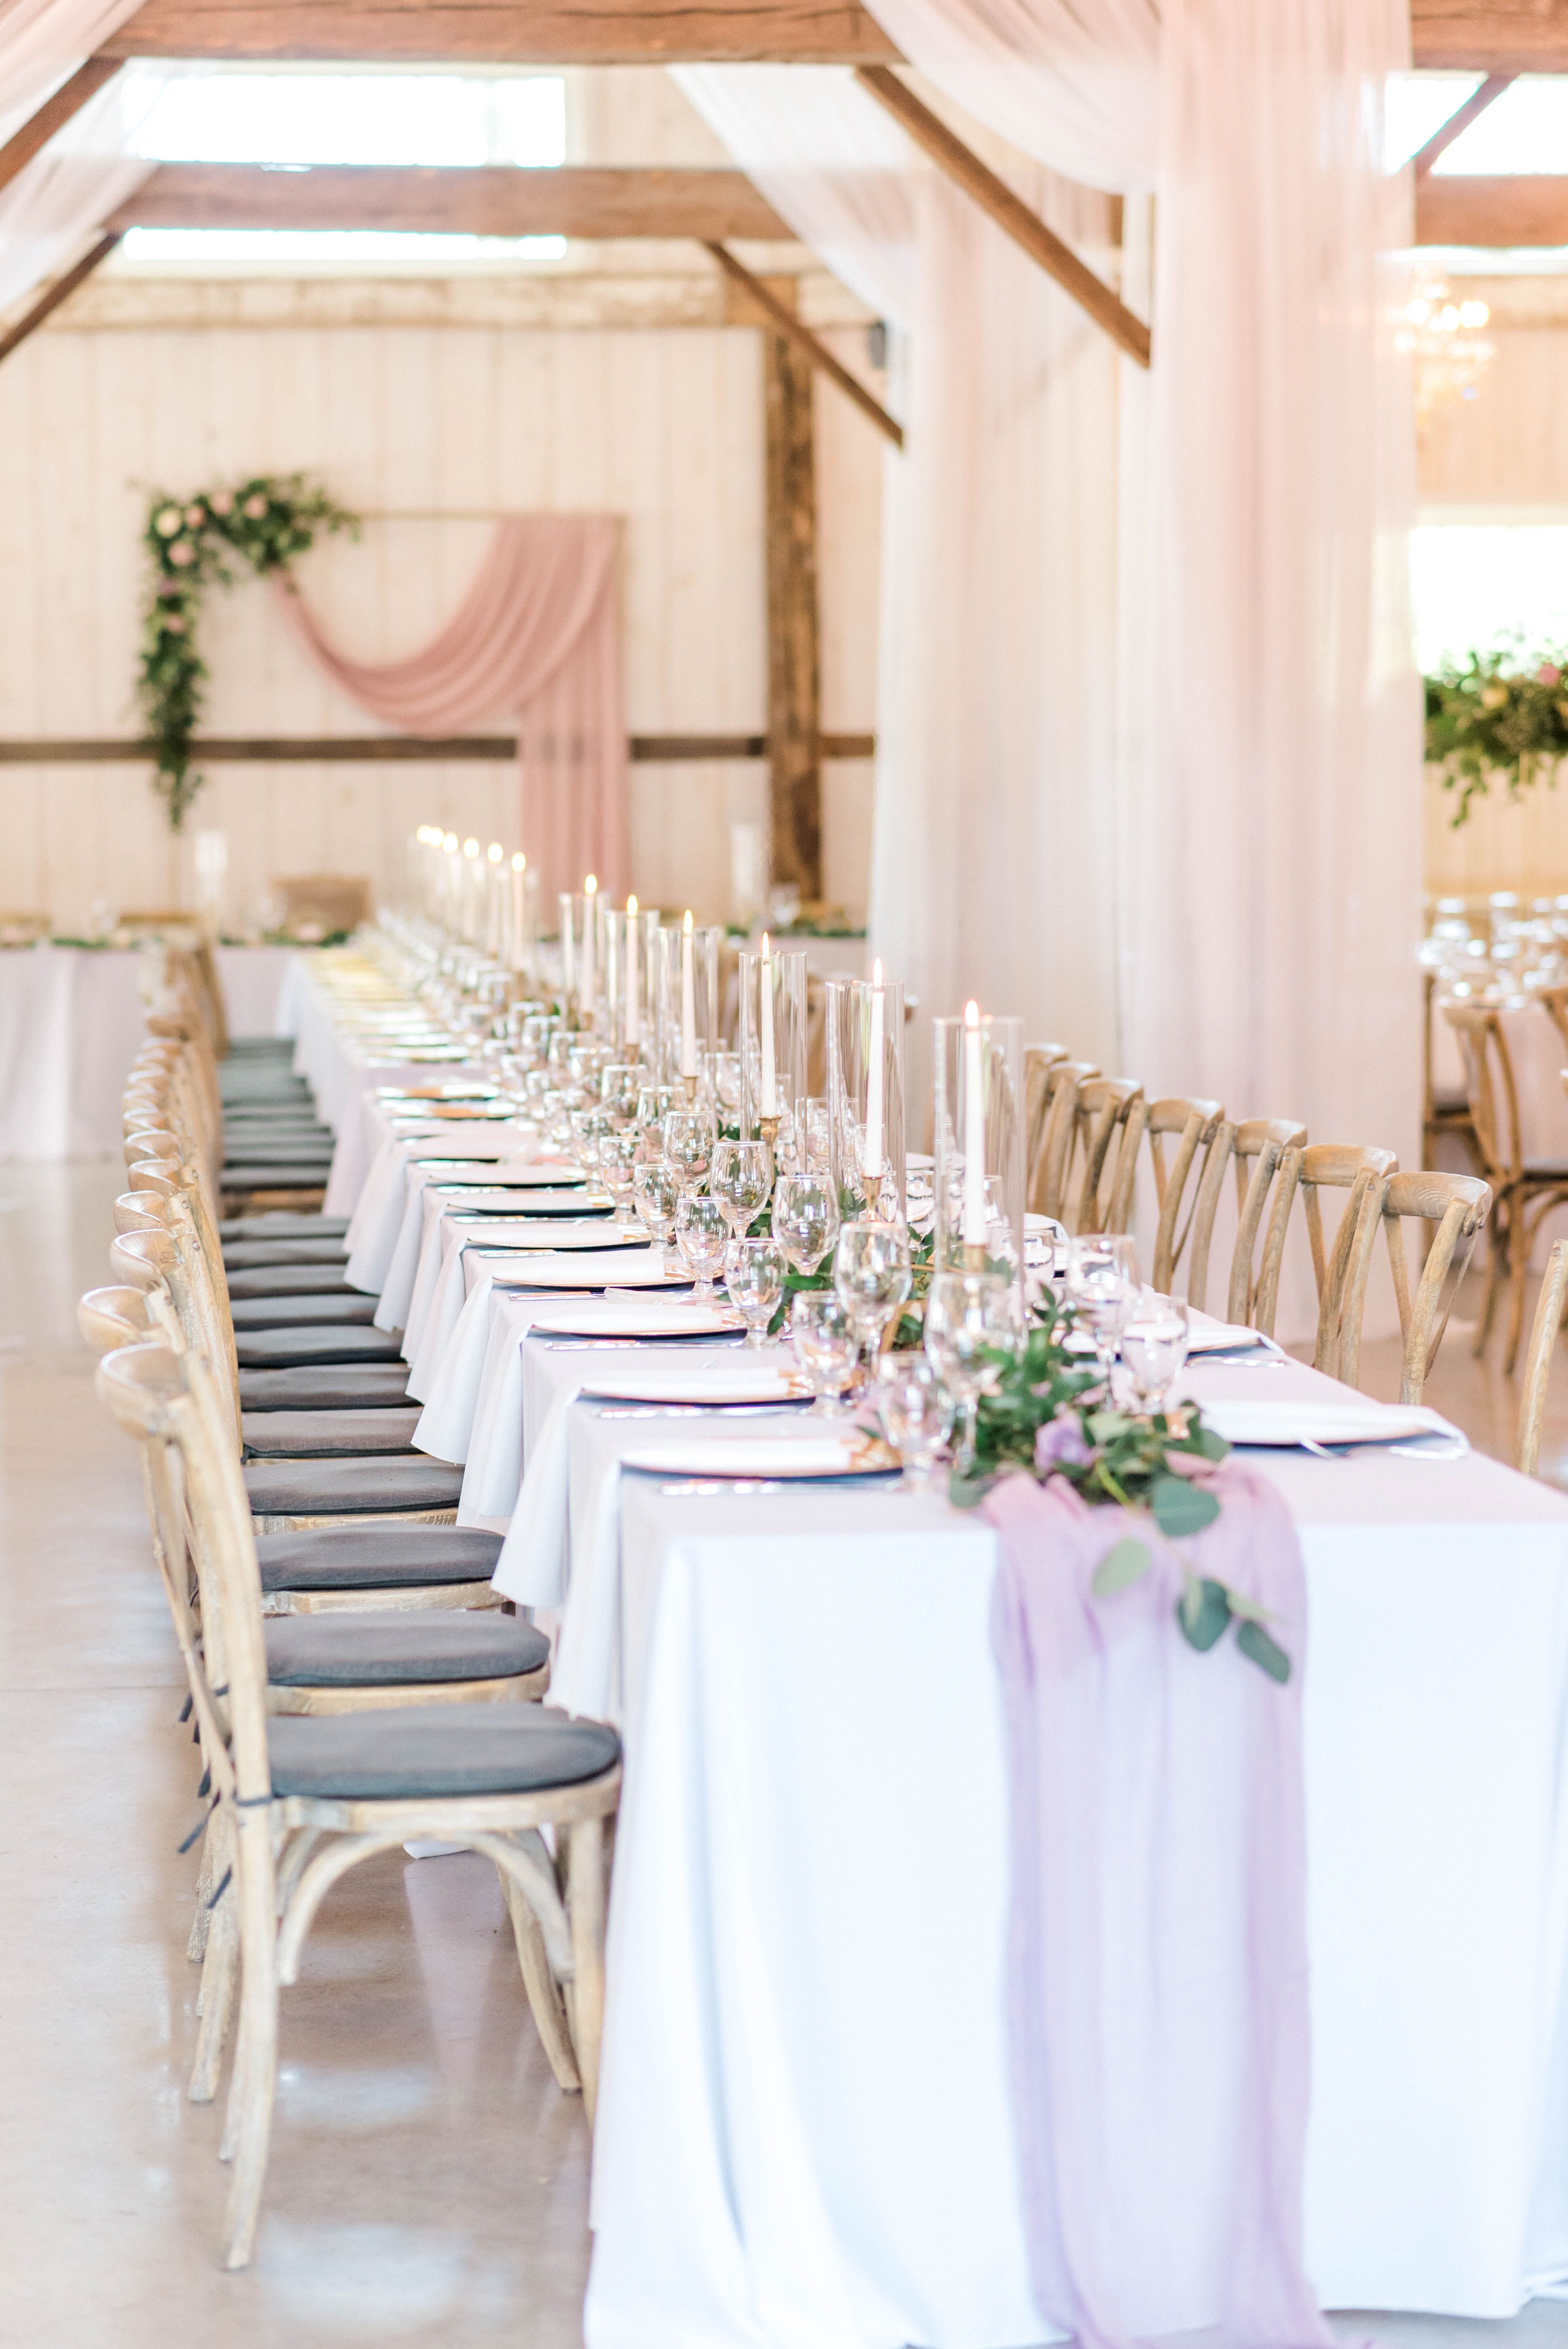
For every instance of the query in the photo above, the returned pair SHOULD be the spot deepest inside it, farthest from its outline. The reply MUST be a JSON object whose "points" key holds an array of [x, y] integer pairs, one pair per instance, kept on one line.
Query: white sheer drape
{"points": [[997, 686], [42, 41], [51, 209]]}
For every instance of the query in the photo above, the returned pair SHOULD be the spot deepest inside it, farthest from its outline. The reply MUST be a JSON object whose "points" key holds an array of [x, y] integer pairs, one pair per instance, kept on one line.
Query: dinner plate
{"points": [[549, 1232], [468, 1090], [629, 1317], [499, 1174], [804, 1458], [714, 1383], [1285, 1421], [627, 1270]]}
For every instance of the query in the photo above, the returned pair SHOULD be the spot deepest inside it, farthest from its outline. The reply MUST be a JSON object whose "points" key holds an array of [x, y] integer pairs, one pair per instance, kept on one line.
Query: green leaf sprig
{"points": [[1501, 713], [267, 522]]}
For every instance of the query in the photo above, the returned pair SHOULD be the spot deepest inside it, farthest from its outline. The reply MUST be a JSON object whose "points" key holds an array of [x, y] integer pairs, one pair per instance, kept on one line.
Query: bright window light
{"points": [[1418, 104], [370, 117], [195, 249], [1474, 585], [1525, 129]]}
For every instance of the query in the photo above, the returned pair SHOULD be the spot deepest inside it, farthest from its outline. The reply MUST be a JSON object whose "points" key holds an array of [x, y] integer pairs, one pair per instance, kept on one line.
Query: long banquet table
{"points": [[804, 2134]]}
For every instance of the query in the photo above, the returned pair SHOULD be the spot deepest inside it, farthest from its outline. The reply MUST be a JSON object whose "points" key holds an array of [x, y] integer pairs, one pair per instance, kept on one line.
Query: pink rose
{"points": [[1547, 674], [256, 508], [195, 516], [222, 502], [183, 553], [174, 624], [167, 522]]}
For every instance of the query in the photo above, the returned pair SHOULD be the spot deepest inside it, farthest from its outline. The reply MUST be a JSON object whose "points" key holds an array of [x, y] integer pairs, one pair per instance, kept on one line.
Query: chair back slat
{"points": [[1549, 1311]]}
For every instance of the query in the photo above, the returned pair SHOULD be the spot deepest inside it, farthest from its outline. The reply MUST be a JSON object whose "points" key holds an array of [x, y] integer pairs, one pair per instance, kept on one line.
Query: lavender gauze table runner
{"points": [[1156, 1964]]}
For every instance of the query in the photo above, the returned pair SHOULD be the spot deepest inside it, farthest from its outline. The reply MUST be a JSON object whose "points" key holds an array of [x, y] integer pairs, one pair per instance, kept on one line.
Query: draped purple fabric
{"points": [[1157, 1967], [536, 640]]}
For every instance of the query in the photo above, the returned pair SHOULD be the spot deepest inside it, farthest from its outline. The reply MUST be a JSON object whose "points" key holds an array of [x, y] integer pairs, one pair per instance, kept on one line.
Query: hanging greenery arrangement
{"points": [[1497, 714], [267, 522]]}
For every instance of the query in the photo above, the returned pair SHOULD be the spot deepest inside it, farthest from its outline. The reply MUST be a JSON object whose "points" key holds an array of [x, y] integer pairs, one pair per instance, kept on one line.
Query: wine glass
{"points": [[1154, 1341], [1102, 1276], [805, 1216], [873, 1274], [620, 1088], [657, 1195], [702, 1235], [618, 1167], [972, 1325], [688, 1144], [754, 1276], [741, 1178], [916, 1410], [826, 1345]]}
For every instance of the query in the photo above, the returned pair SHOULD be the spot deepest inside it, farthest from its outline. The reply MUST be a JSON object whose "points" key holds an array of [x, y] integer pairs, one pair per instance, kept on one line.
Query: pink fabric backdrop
{"points": [[536, 639]]}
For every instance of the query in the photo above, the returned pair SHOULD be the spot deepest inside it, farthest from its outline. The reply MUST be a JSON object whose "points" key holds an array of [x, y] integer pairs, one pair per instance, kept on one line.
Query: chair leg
{"points": [[202, 1922], [1496, 1249], [585, 1905], [1519, 1264], [543, 1991], [220, 1973], [254, 2083]]}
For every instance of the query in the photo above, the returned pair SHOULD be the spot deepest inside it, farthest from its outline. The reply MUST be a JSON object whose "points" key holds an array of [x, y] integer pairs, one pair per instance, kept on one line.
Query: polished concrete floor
{"points": [[428, 2184]]}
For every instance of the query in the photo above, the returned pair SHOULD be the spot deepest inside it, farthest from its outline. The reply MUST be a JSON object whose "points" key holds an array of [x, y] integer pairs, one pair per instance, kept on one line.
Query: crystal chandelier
{"points": [[1444, 339]]}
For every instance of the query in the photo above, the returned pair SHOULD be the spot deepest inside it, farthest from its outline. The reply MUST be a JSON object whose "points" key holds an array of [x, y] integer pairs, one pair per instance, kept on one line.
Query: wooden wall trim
{"points": [[392, 749]]}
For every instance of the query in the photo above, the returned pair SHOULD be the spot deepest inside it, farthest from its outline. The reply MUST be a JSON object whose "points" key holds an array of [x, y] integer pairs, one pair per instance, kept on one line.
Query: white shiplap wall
{"points": [[662, 426]]}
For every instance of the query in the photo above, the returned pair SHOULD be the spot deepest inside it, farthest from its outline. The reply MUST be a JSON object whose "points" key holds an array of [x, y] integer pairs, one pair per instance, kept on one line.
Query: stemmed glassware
{"points": [[620, 1086], [740, 1178], [1154, 1341], [688, 1144], [916, 1410], [972, 1325], [874, 1275], [617, 1164], [826, 1345], [1102, 1280], [754, 1276], [657, 1195], [805, 1216], [702, 1235]]}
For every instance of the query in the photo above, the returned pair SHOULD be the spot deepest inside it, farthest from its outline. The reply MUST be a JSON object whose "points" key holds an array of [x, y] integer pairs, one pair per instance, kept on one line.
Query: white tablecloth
{"points": [[71, 1023], [804, 2133]]}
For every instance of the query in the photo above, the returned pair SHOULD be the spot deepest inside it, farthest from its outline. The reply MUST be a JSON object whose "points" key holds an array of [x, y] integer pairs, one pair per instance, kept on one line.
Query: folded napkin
{"points": [[1157, 1956], [1328, 1418]]}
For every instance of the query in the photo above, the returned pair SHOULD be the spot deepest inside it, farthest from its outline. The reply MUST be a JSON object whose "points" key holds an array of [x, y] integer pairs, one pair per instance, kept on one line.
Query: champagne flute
{"points": [[741, 1178], [805, 1217], [971, 1325], [917, 1411], [873, 1274], [826, 1345], [702, 1235], [754, 1276]]}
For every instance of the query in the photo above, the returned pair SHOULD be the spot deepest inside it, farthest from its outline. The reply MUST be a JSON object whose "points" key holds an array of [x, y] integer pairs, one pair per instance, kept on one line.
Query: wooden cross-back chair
{"points": [[1445, 1109], [1322, 1166], [1523, 1190], [1110, 1111], [1039, 1060], [297, 1801], [1549, 1307], [1457, 1206], [1047, 1179], [1191, 1127], [1260, 1148]]}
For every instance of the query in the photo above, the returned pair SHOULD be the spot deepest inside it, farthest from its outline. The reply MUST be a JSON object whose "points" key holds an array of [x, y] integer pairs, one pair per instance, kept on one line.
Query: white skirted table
{"points": [[71, 1020]]}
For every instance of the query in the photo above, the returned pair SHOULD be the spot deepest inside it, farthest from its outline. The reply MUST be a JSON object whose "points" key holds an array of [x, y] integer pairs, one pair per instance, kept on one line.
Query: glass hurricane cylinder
{"points": [[977, 1126], [583, 953], [679, 1066], [866, 1096], [772, 1040]]}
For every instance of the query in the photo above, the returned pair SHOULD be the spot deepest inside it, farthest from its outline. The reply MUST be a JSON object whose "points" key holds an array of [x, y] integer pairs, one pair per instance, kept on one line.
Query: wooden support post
{"points": [[60, 291], [794, 703], [813, 348], [53, 114], [1010, 213], [1477, 103]]}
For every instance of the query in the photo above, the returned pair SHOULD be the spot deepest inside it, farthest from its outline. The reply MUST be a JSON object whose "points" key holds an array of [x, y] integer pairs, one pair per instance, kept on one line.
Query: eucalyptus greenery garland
{"points": [[1497, 713], [267, 522]]}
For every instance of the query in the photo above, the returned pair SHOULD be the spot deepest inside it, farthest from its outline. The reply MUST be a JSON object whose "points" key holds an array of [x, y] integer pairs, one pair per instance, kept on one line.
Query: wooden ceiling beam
{"points": [[60, 291], [1489, 36], [783, 321], [1463, 208], [1458, 123], [53, 114], [485, 201], [491, 32]]}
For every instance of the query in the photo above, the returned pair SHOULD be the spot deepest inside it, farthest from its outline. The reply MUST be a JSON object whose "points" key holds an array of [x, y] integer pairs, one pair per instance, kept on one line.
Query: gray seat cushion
{"points": [[375, 1557], [252, 1256], [305, 1435], [277, 1350], [347, 1309], [384, 1650], [372, 1386], [436, 1750], [252, 1174], [319, 1488], [260, 1150], [289, 1280], [283, 1224]]}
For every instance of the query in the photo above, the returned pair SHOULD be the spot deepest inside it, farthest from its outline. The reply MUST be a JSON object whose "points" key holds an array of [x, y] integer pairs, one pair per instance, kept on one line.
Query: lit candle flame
{"points": [[688, 922], [519, 862], [494, 852]]}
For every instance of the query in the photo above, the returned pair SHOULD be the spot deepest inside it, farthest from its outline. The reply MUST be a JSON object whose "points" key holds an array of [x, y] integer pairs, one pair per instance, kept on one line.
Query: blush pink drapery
{"points": [[536, 640]]}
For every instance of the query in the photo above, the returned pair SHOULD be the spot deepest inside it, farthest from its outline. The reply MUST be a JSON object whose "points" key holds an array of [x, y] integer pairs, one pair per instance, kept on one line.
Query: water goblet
{"points": [[826, 1345], [1154, 1341], [916, 1410], [618, 1167], [873, 1274], [1102, 1275], [754, 1276], [805, 1216], [620, 1087], [702, 1235], [657, 1195], [688, 1144], [741, 1178], [972, 1325]]}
